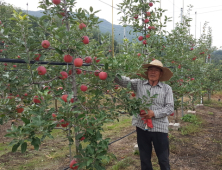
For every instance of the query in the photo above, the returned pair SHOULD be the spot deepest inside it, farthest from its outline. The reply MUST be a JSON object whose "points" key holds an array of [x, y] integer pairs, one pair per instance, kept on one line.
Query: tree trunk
{"points": [[176, 119]]}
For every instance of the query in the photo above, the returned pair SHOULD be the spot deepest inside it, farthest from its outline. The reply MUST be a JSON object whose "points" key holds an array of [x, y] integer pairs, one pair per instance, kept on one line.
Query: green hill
{"points": [[105, 27]]}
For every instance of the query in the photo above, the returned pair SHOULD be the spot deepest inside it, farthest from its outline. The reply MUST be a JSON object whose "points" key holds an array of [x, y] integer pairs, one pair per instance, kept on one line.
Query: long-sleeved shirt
{"points": [[162, 106]]}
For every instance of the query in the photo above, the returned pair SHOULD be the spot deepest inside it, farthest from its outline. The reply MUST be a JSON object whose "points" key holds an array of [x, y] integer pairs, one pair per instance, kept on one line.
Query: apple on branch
{"points": [[37, 58], [146, 20], [45, 44], [96, 73], [85, 40], [56, 2], [103, 75], [148, 14], [83, 87], [72, 164], [41, 70], [88, 59], [64, 75], [81, 26], [78, 71], [140, 38], [68, 58], [78, 62]]}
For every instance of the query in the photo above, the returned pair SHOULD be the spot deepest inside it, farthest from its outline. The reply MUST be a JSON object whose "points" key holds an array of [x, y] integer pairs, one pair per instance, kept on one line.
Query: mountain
{"points": [[105, 27]]}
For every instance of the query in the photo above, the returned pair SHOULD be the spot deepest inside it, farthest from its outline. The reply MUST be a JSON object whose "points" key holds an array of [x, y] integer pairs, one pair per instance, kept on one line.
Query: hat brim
{"points": [[167, 74]]}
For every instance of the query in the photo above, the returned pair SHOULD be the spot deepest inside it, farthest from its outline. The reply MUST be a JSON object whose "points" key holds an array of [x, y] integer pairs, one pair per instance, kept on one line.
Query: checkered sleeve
{"points": [[123, 81], [169, 105]]}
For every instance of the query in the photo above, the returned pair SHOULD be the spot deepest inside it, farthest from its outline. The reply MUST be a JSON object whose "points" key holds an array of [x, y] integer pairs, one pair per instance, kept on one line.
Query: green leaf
{"points": [[26, 121], [91, 9], [24, 147], [15, 147], [106, 66], [59, 51], [90, 131], [36, 147], [89, 161]]}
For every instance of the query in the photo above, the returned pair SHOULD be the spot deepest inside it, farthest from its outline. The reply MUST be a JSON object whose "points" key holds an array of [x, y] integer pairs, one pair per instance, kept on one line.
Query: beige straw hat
{"points": [[167, 74]]}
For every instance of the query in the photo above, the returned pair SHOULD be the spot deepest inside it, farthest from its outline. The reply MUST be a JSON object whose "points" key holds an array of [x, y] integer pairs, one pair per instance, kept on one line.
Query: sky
{"points": [[207, 11]]}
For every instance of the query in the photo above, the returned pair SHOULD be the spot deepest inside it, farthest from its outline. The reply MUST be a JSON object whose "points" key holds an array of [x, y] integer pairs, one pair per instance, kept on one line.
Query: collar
{"points": [[160, 84]]}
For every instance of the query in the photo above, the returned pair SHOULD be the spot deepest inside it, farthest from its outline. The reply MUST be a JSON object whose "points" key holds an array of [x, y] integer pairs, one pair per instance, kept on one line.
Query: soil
{"points": [[201, 150]]}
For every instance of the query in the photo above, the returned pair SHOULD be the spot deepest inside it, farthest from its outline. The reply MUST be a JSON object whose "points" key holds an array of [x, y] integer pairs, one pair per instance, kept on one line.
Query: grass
{"points": [[123, 164], [212, 103], [210, 113], [190, 129]]}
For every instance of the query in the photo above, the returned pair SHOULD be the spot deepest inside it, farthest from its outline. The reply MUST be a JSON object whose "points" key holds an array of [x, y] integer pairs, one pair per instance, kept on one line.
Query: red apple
{"points": [[133, 94], [192, 79], [171, 114], [64, 97], [5, 64], [19, 110], [78, 62], [0, 22], [37, 58], [103, 75], [68, 58], [136, 16], [146, 20], [18, 56], [191, 49], [179, 66], [142, 112], [78, 71], [36, 100], [59, 88], [83, 87], [140, 38], [54, 115], [41, 70], [148, 14], [65, 124], [144, 42], [116, 86], [56, 2], [81, 26], [1, 51], [96, 73], [150, 28], [64, 75], [70, 72], [72, 163], [26, 94], [150, 4], [45, 44], [88, 59], [62, 13], [14, 66], [194, 58], [153, 28], [82, 138], [85, 40], [148, 36], [97, 61], [138, 54], [72, 100]]}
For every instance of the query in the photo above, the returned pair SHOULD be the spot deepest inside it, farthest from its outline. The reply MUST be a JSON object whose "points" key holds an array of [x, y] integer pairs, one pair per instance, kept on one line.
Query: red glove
{"points": [[148, 122]]}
